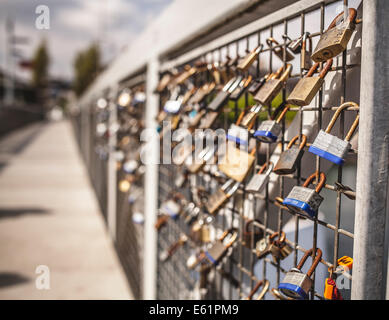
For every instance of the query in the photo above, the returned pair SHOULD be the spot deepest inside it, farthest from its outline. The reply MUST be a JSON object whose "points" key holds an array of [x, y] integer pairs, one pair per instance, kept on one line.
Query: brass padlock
{"points": [[220, 197], [279, 50], [249, 59], [334, 41], [289, 159], [272, 87], [200, 160], [257, 84], [248, 119], [307, 87], [236, 163]]}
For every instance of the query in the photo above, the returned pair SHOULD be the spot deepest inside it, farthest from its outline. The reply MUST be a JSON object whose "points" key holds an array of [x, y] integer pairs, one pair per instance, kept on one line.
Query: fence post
{"points": [[151, 185], [370, 260]]}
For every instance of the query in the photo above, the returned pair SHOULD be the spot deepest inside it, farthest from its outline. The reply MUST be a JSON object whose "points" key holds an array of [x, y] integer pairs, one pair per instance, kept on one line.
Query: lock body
{"points": [[288, 160], [238, 134], [333, 42], [285, 250], [216, 200], [236, 163], [268, 131], [262, 247], [208, 120], [220, 100], [216, 252], [296, 284], [330, 147], [305, 91], [304, 201], [268, 91], [251, 115], [257, 183], [170, 208]]}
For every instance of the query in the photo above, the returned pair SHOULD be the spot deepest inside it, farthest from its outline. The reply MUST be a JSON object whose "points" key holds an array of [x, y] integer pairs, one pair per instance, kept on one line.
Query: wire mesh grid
{"points": [[240, 270]]}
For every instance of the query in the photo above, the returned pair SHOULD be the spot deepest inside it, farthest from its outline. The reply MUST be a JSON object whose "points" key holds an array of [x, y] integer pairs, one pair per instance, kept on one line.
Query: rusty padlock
{"points": [[251, 237], [289, 159], [334, 40], [307, 87]]}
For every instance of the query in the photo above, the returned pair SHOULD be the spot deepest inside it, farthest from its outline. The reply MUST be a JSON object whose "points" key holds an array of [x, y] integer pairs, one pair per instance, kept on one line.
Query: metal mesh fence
{"points": [[331, 230]]}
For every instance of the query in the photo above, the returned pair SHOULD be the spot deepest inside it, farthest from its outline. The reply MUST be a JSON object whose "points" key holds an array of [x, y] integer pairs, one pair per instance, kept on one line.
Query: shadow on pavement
{"points": [[17, 212], [11, 279]]}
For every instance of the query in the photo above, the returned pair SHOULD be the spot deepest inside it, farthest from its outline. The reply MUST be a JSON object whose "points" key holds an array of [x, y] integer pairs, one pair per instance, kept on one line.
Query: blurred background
{"points": [[49, 54]]}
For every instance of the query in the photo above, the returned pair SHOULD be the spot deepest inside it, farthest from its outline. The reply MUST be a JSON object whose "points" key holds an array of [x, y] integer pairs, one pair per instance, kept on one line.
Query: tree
{"points": [[86, 68], [40, 67]]}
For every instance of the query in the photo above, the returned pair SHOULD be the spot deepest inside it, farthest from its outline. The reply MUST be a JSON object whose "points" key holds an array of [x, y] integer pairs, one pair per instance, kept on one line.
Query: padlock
{"points": [[238, 134], [331, 292], [259, 180], [219, 198], [305, 201], [251, 237], [236, 163], [170, 208], [241, 88], [248, 119], [165, 255], [290, 157], [296, 284], [331, 147], [279, 50], [278, 295], [269, 130], [130, 166], [346, 263], [265, 287], [192, 213], [307, 87], [218, 249], [249, 59], [305, 56], [194, 165], [272, 87], [164, 82], [257, 84], [279, 249], [207, 121], [201, 93], [222, 97], [334, 40], [294, 45]]}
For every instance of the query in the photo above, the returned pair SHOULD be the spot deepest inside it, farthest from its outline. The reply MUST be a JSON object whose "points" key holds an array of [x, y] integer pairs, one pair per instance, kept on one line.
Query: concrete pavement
{"points": [[49, 216]]}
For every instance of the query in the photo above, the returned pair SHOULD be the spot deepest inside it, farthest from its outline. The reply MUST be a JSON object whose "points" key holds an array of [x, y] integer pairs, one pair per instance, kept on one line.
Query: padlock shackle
{"points": [[352, 14], [314, 263], [271, 40], [277, 234], [276, 74], [294, 140], [306, 36], [336, 115], [259, 284], [233, 237], [268, 165], [323, 72], [284, 111], [321, 183], [286, 73]]}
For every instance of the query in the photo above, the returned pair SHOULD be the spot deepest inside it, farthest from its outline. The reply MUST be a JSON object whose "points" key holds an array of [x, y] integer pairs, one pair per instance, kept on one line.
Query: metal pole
{"points": [[151, 185], [369, 274]]}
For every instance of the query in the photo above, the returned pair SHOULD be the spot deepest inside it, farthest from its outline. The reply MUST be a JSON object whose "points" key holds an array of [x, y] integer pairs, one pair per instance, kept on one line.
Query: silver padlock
{"points": [[331, 147], [269, 130], [291, 156], [259, 180], [297, 284], [305, 201], [170, 208]]}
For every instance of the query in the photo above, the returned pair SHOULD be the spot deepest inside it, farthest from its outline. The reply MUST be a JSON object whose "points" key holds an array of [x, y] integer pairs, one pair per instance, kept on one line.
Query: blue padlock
{"points": [[296, 284], [268, 131], [330, 147], [305, 201]]}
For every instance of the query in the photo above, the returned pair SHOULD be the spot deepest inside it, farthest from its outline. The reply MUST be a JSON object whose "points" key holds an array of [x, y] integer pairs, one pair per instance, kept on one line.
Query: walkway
{"points": [[49, 216]]}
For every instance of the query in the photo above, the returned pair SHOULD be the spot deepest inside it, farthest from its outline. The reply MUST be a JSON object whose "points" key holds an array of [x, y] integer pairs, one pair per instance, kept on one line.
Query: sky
{"points": [[74, 24]]}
